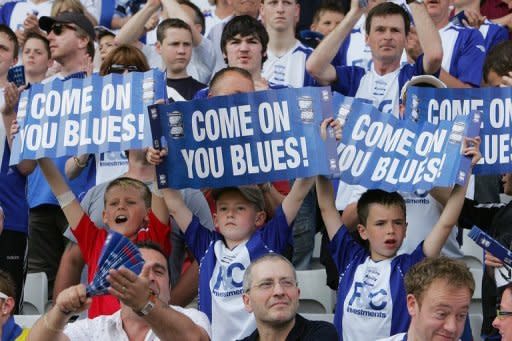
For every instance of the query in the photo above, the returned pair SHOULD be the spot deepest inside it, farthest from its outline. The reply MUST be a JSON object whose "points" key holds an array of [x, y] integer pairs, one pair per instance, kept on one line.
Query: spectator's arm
{"points": [[452, 82], [330, 215], [504, 21], [186, 289], [70, 269], [119, 22], [133, 29], [319, 62], [177, 207], [429, 38], [293, 201], [349, 216], [174, 10], [75, 165], [272, 198]]}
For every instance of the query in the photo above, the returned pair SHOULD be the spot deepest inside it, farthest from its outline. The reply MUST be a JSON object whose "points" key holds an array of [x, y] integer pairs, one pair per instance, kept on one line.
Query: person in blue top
{"points": [[371, 294], [387, 27], [9, 330]]}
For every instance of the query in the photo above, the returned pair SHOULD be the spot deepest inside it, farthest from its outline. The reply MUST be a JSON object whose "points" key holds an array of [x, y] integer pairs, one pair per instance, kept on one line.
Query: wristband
{"points": [[66, 198]]}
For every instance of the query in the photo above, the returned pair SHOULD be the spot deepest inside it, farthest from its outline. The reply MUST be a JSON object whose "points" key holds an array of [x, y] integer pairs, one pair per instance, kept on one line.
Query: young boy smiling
{"points": [[127, 211], [243, 235], [371, 293]]}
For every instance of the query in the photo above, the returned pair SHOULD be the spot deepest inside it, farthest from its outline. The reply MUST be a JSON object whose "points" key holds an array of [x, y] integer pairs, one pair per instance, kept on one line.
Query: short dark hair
{"points": [[12, 37], [419, 278], [377, 196], [199, 17], [124, 55], [499, 59], [245, 25], [38, 36], [328, 6], [170, 23], [151, 245], [385, 9], [221, 73]]}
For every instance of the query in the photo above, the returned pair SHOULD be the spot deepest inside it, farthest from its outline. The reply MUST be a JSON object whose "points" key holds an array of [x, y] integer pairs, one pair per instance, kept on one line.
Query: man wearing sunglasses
{"points": [[439, 292]]}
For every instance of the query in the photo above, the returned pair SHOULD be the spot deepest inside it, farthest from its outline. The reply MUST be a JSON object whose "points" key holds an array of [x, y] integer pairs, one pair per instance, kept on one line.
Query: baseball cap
{"points": [[426, 81], [102, 31], [250, 192], [80, 20]]}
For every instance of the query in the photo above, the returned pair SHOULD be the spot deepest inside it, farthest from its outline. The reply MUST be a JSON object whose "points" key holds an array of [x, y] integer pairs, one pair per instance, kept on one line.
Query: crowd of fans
{"points": [[54, 213]]}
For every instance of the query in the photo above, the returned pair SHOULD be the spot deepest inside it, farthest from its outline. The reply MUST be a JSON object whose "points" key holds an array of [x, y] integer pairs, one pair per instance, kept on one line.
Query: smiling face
{"points": [[125, 209], [385, 230], [273, 296], [280, 15], [387, 38], [236, 218], [441, 313], [245, 52]]}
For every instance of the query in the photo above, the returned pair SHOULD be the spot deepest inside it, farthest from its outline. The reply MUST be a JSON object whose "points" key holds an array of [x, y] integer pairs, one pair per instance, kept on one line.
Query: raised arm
{"points": [[70, 206], [177, 207], [451, 211], [429, 38], [293, 200], [319, 62], [133, 29], [330, 215], [174, 10]]}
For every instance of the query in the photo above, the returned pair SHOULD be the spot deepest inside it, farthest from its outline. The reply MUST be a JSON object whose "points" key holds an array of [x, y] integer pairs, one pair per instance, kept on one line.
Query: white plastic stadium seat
{"points": [[473, 254], [315, 295], [35, 294], [26, 321], [476, 324], [477, 273]]}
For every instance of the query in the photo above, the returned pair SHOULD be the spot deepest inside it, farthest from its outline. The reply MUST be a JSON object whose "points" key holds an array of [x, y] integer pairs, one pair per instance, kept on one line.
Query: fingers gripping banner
{"points": [[244, 138], [90, 115]]}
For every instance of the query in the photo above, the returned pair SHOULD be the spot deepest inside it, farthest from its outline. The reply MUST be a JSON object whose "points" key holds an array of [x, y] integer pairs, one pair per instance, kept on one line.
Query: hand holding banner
{"points": [[244, 138]]}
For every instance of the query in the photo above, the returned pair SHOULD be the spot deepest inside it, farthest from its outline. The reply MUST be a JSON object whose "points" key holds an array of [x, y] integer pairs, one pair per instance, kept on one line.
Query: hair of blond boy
{"points": [[455, 272], [125, 182]]}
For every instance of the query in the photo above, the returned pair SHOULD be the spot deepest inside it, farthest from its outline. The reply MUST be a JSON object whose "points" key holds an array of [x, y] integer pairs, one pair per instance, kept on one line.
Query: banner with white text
{"points": [[378, 150], [90, 115], [437, 105], [244, 138]]}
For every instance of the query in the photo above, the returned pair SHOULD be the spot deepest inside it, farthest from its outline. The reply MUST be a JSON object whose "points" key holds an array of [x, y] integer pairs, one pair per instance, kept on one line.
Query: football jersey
{"points": [[221, 273], [290, 68], [463, 53], [371, 295], [493, 34]]}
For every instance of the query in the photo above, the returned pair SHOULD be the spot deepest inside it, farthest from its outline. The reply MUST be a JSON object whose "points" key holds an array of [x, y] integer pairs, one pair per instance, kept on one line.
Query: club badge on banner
{"points": [[244, 138], [378, 150], [437, 105], [90, 115]]}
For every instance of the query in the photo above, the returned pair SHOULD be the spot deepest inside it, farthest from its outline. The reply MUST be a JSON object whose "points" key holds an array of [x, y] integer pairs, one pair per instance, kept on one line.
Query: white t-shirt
{"points": [[24, 8], [110, 327]]}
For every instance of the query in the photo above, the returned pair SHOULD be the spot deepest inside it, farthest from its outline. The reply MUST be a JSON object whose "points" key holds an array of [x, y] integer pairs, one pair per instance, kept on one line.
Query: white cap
{"points": [[423, 79]]}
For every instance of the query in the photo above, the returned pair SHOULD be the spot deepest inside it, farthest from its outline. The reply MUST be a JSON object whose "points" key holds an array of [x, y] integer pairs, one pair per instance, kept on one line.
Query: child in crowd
{"points": [[371, 294], [242, 236], [127, 210], [327, 17]]}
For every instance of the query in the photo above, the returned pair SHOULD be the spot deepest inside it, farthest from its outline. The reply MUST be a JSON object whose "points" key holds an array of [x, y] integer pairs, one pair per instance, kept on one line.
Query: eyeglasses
{"points": [[120, 68], [284, 283], [502, 314], [57, 28]]}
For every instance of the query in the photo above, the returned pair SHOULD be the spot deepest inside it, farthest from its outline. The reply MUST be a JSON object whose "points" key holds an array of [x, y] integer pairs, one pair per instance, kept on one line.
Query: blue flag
{"points": [[90, 115], [437, 105], [378, 150], [244, 138]]}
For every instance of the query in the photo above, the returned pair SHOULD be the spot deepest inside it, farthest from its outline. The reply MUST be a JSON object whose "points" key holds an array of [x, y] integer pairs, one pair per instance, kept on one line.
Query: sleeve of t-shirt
{"points": [[276, 232], [470, 61], [79, 330], [198, 238], [159, 232], [197, 204], [501, 34], [344, 248], [408, 260], [198, 317], [348, 79], [87, 234]]}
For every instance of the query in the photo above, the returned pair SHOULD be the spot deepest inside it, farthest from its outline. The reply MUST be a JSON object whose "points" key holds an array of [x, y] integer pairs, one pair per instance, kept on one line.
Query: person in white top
{"points": [[439, 292], [145, 312]]}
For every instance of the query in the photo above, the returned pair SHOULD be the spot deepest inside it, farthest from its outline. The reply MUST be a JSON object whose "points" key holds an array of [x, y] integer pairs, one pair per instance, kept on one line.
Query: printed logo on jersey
{"points": [[367, 298], [228, 280]]}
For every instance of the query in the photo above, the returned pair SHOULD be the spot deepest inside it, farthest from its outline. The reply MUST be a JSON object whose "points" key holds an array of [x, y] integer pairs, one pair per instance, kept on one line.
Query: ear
{"points": [[215, 221], [405, 229], [366, 38], [8, 306], [82, 42], [158, 47], [50, 63], [247, 302], [14, 61], [261, 216], [104, 216], [297, 13], [411, 304], [362, 231]]}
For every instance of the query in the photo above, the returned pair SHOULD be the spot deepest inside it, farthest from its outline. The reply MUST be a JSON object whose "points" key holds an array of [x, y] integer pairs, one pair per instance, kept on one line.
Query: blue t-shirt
{"points": [[463, 53], [221, 272], [371, 295], [493, 34], [381, 91]]}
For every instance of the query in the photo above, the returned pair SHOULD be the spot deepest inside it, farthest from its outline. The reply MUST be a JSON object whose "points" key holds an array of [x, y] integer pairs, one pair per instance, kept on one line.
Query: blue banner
{"points": [[244, 139], [378, 150], [90, 115], [437, 105]]}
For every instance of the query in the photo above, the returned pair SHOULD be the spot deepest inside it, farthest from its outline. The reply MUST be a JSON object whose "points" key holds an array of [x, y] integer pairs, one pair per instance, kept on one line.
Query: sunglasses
{"points": [[120, 68], [58, 27], [501, 314]]}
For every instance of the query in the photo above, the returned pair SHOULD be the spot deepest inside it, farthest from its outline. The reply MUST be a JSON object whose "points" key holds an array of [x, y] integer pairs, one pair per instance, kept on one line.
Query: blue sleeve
{"points": [[408, 260], [344, 249], [276, 233], [469, 59], [348, 79], [6, 12], [198, 238], [201, 94], [496, 36], [410, 70]]}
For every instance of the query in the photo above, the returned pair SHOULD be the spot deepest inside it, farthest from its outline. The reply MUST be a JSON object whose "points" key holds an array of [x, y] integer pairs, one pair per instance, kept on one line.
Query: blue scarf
{"points": [[10, 330]]}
